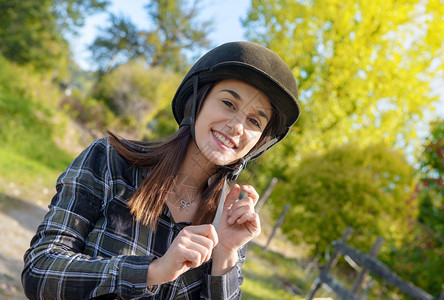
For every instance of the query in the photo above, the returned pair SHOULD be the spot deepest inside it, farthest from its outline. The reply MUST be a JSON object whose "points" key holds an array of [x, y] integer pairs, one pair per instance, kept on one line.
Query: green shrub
{"points": [[87, 110], [365, 188], [135, 93], [422, 258], [420, 261]]}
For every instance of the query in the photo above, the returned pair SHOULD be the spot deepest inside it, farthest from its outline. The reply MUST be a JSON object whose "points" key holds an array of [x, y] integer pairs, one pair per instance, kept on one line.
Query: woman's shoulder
{"points": [[119, 165], [98, 147], [104, 146], [108, 159], [101, 151]]}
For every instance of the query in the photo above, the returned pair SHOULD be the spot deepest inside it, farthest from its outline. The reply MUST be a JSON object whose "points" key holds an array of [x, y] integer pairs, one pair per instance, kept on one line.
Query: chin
{"points": [[220, 160]]}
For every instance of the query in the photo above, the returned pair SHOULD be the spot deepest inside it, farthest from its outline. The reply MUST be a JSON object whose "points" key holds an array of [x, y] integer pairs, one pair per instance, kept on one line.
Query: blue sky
{"points": [[226, 16]]}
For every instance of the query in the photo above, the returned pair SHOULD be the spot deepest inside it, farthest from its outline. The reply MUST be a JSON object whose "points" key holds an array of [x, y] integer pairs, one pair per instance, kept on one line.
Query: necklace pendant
{"points": [[184, 205]]}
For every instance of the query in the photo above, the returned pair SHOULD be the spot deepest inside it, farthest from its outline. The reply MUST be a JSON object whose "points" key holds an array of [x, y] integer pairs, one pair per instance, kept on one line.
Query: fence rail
{"points": [[369, 263]]}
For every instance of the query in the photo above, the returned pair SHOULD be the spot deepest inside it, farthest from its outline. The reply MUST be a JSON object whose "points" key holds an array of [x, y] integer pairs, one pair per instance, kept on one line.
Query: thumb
{"points": [[232, 196]]}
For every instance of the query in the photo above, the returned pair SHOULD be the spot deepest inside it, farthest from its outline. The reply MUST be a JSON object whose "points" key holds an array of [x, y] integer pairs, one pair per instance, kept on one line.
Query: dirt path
{"points": [[19, 219]]}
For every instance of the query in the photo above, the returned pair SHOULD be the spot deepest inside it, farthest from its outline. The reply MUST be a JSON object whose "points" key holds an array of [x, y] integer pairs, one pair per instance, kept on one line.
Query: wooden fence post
{"points": [[380, 270], [277, 225], [266, 194], [331, 262], [368, 263], [364, 271]]}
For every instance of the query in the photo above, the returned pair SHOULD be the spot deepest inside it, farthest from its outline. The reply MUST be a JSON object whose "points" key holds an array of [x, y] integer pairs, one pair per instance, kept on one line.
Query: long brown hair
{"points": [[163, 160]]}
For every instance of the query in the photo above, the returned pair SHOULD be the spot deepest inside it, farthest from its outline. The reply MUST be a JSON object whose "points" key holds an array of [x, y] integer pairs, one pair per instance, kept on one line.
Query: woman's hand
{"points": [[239, 224], [192, 247]]}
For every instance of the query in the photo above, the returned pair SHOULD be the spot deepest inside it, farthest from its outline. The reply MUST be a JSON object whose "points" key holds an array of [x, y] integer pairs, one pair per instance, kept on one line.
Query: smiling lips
{"points": [[226, 141]]}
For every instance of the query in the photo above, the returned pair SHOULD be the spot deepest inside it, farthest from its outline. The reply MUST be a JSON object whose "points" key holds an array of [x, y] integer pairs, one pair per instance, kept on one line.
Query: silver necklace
{"points": [[184, 204]]}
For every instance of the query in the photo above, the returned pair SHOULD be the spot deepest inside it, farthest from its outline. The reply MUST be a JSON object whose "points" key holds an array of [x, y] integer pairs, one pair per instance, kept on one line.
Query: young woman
{"points": [[155, 220]]}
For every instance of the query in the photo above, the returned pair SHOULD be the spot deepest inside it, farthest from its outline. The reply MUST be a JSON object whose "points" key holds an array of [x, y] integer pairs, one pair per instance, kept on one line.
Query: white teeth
{"points": [[223, 140]]}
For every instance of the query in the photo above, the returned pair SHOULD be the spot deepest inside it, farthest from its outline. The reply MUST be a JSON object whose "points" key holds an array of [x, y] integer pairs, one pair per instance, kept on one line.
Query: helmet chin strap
{"points": [[235, 171]]}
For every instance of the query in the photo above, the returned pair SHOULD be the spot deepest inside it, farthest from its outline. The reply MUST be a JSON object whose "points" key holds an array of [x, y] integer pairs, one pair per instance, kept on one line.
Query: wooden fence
{"points": [[369, 263]]}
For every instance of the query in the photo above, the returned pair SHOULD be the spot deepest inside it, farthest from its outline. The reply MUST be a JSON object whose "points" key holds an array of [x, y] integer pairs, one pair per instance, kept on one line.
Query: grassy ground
{"points": [[270, 275]]}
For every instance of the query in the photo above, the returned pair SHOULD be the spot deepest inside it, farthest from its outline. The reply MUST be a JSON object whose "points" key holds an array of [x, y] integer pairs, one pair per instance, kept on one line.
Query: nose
{"points": [[236, 125]]}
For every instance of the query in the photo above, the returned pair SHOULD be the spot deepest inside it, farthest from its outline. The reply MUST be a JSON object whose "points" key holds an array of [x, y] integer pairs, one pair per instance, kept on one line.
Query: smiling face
{"points": [[231, 121]]}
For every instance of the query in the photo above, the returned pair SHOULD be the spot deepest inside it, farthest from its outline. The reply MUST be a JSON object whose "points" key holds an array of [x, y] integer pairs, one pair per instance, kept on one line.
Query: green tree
{"points": [[35, 31], [366, 188], [176, 29], [118, 42], [28, 33], [432, 160], [422, 258], [176, 32], [71, 14], [431, 187], [364, 67], [421, 261]]}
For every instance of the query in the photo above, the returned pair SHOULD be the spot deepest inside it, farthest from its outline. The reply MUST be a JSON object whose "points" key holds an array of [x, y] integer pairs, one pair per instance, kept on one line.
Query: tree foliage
{"points": [[432, 160], [431, 189], [35, 31], [118, 41], [366, 188], [422, 259], [175, 32], [364, 67], [29, 33], [71, 14], [176, 29]]}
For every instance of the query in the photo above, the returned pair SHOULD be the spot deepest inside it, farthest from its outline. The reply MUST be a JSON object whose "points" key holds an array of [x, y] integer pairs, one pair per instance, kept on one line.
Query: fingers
{"points": [[240, 223], [206, 230], [196, 243], [194, 255], [243, 210], [203, 246], [191, 248], [232, 196], [242, 214], [251, 192]]}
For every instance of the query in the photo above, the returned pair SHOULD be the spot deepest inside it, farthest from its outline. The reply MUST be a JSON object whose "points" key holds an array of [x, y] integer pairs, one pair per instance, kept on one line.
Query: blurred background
{"points": [[367, 152]]}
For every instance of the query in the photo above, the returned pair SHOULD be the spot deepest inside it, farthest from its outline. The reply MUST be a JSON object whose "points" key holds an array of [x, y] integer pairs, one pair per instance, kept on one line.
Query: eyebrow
{"points": [[234, 94], [238, 97]]}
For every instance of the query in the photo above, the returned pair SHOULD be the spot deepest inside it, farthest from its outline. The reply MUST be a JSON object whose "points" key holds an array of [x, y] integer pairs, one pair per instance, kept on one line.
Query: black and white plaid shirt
{"points": [[89, 245]]}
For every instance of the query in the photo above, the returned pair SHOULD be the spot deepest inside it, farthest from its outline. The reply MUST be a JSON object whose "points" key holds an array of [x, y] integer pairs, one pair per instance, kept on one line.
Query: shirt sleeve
{"points": [[226, 287], [55, 267]]}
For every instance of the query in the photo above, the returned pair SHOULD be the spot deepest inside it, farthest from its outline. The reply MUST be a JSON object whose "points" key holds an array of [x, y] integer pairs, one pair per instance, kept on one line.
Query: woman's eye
{"points": [[228, 104], [255, 122]]}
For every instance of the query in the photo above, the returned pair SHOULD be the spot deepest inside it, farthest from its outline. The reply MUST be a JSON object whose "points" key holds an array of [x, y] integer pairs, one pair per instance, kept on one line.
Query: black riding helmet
{"points": [[252, 64]]}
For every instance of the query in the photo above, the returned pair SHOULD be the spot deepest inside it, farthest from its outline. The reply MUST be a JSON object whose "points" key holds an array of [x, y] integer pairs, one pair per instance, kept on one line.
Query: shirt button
{"points": [[133, 290]]}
